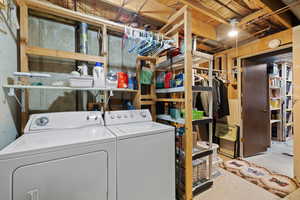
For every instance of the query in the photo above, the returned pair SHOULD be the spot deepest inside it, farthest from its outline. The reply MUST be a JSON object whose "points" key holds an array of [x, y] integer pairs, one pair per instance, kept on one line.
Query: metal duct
{"points": [[82, 47]]}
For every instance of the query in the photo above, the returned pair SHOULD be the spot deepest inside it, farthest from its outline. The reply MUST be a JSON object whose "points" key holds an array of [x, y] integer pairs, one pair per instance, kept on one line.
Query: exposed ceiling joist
{"points": [[150, 8], [253, 16], [271, 5], [199, 7]]}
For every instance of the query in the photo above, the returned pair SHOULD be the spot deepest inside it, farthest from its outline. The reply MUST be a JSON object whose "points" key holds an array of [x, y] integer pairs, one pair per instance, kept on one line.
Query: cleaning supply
{"points": [[146, 76], [99, 75], [168, 79], [131, 80], [83, 69], [122, 80], [112, 80]]}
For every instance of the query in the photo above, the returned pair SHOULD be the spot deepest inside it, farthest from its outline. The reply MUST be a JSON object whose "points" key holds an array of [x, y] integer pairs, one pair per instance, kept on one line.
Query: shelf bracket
{"points": [[12, 93]]}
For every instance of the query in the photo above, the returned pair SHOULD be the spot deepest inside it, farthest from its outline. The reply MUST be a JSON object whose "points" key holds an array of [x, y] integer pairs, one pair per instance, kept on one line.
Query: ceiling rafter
{"points": [[271, 6], [201, 8], [253, 16]]}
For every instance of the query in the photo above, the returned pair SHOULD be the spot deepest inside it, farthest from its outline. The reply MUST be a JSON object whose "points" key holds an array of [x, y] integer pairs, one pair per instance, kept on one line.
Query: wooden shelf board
{"points": [[38, 51], [198, 58], [170, 100], [66, 88], [147, 58]]}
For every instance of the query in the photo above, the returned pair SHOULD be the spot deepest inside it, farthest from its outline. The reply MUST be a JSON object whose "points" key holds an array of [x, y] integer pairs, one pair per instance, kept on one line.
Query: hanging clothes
{"points": [[220, 98], [224, 104]]}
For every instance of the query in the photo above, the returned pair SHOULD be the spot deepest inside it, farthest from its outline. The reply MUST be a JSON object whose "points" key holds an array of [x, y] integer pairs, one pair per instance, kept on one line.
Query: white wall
{"points": [[8, 65]]}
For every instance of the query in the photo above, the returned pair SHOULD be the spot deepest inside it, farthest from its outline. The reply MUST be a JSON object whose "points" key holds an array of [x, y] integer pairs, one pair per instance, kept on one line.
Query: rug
{"points": [[277, 184]]}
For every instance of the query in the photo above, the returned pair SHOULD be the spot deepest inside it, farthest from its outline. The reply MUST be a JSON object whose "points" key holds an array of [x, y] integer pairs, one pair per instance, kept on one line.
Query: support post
{"points": [[24, 60], [188, 148]]}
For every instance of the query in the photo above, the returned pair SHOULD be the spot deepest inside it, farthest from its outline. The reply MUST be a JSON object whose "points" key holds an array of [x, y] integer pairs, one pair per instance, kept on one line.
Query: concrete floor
{"points": [[231, 187], [275, 160]]}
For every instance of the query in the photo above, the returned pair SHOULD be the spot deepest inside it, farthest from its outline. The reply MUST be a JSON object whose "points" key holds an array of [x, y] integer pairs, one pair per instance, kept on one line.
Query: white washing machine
{"points": [[145, 156], [61, 156]]}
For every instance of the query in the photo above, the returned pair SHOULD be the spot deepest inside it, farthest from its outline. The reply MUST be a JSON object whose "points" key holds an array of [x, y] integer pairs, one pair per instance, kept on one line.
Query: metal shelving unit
{"points": [[275, 97], [287, 105], [186, 63]]}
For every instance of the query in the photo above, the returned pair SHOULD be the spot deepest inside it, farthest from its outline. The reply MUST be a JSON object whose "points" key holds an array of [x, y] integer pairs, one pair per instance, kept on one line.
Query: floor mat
{"points": [[277, 184]]}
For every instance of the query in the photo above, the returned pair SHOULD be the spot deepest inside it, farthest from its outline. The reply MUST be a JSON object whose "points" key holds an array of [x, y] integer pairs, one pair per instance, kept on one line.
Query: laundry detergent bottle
{"points": [[99, 75]]}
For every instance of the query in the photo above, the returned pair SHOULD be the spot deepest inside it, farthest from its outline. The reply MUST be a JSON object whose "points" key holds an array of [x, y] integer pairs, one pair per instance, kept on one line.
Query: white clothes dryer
{"points": [[145, 156]]}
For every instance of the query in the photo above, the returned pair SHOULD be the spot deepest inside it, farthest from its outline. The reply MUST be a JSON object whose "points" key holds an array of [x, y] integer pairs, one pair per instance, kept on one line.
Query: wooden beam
{"points": [[24, 60], [204, 47], [175, 28], [188, 145], [150, 8], [253, 16], [259, 45], [203, 29], [198, 27], [174, 19], [52, 9], [209, 12], [271, 6], [38, 51]]}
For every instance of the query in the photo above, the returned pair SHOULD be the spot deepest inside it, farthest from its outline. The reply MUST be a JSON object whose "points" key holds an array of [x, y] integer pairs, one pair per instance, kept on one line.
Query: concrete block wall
{"points": [[8, 65]]}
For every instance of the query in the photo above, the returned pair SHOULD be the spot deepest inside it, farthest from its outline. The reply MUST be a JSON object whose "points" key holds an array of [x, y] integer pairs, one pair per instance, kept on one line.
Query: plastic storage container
{"points": [[99, 75], [81, 82]]}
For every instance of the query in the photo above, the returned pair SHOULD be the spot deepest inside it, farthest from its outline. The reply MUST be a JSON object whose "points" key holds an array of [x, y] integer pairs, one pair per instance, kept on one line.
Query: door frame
{"points": [[240, 92]]}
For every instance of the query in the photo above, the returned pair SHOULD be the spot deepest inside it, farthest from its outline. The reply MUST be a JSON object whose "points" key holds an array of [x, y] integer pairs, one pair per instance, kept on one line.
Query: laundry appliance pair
{"points": [[75, 155]]}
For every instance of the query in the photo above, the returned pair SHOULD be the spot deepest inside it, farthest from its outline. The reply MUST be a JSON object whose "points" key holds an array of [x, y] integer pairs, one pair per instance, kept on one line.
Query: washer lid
{"points": [[57, 140], [124, 131]]}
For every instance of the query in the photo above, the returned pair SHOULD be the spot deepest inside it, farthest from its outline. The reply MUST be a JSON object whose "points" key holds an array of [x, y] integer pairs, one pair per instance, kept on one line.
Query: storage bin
{"points": [[81, 82], [205, 145]]}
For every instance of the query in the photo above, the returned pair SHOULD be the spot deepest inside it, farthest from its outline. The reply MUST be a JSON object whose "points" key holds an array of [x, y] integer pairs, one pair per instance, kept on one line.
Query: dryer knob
{"points": [[112, 117], [119, 116]]}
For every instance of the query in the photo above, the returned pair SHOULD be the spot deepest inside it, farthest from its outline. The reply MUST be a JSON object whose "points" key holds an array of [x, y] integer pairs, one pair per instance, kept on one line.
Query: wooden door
{"points": [[256, 117]]}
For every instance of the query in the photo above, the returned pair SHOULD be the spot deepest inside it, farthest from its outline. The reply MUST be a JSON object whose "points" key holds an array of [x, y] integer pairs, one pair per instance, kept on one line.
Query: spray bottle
{"points": [[99, 75]]}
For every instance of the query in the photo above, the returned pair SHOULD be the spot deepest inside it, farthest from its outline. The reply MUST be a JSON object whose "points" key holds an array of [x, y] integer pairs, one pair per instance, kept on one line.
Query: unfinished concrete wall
{"points": [[8, 65], [49, 34]]}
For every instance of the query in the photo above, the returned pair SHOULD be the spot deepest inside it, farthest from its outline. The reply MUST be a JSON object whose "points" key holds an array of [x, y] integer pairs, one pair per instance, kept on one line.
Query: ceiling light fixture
{"points": [[233, 31]]}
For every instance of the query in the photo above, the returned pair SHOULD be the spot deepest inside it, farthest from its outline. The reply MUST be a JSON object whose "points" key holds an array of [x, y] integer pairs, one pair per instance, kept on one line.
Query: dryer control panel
{"points": [[127, 116]]}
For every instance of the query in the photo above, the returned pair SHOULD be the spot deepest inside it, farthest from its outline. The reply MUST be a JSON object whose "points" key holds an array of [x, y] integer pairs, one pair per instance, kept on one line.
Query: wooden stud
{"points": [[296, 107], [271, 6], [209, 12], [174, 19], [24, 61], [188, 148], [253, 16], [52, 9]]}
